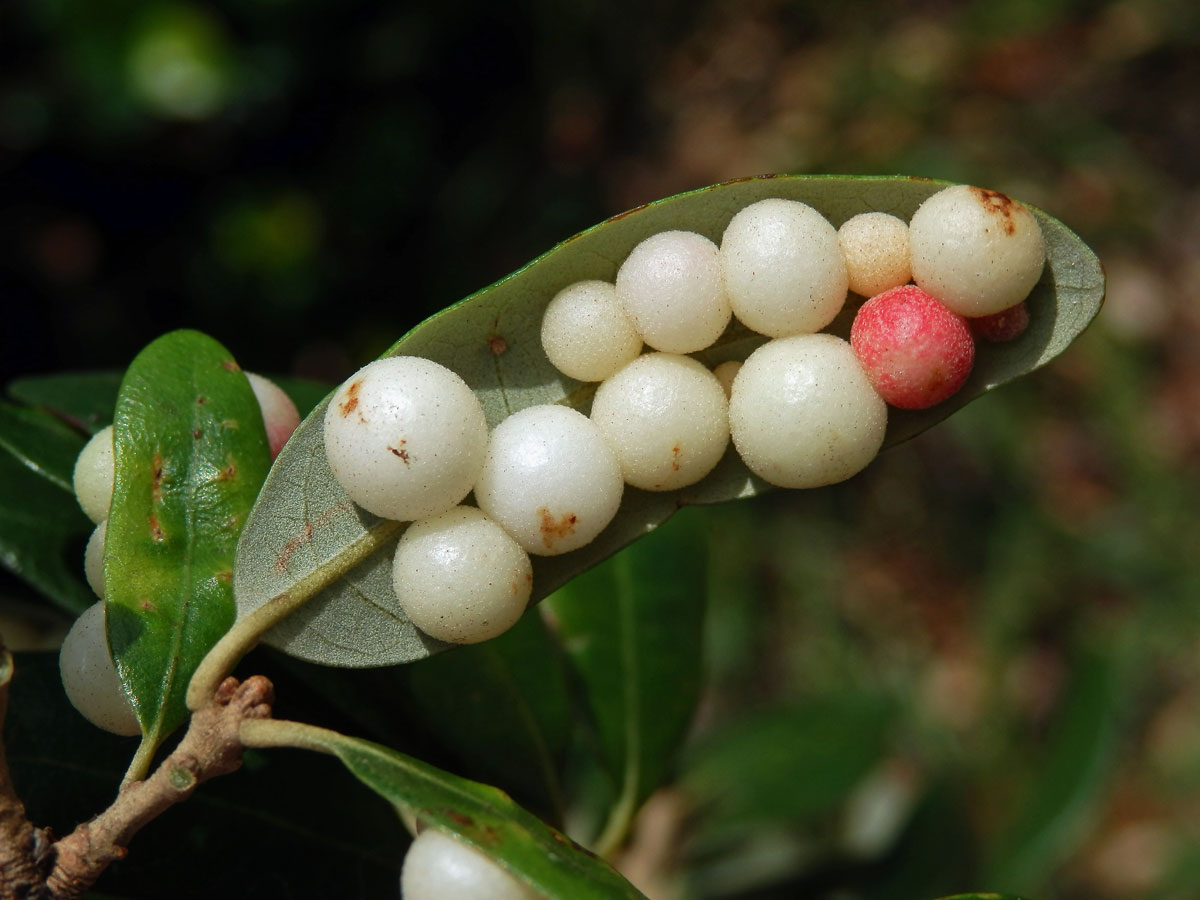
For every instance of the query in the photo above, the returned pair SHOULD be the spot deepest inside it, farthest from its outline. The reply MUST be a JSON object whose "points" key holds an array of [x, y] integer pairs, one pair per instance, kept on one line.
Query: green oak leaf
{"points": [[482, 816], [42, 528], [84, 399], [305, 535], [191, 453], [630, 628], [512, 714]]}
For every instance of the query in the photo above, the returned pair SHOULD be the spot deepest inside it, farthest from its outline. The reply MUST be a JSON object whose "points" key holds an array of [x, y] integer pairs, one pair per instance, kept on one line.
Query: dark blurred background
{"points": [[307, 179]]}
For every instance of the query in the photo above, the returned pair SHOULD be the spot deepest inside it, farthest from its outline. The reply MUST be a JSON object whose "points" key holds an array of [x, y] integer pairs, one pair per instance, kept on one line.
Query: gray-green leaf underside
{"points": [[304, 521]]}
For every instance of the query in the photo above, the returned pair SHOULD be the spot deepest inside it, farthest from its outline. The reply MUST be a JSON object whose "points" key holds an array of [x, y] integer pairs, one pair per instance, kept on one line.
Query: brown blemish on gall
{"points": [[675, 454], [555, 529], [497, 344], [401, 452], [999, 205], [350, 404]]}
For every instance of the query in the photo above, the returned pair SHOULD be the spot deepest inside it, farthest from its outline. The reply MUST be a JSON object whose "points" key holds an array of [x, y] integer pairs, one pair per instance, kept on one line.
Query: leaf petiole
{"points": [[246, 631]]}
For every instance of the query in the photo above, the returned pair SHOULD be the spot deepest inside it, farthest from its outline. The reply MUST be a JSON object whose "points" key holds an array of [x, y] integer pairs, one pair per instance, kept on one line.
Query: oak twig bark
{"points": [[33, 867]]}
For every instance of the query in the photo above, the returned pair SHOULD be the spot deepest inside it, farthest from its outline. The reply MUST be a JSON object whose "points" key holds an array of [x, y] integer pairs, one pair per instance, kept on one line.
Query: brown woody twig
{"points": [[67, 868]]}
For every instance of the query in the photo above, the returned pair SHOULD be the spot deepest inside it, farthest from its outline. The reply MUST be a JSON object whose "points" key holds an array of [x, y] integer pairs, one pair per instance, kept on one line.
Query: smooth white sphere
{"points": [[405, 438], [279, 413], [977, 251], [671, 288], [667, 419], [459, 577], [549, 479], [803, 413], [875, 245], [783, 266], [90, 679], [585, 332], [440, 867], [93, 559], [95, 471]]}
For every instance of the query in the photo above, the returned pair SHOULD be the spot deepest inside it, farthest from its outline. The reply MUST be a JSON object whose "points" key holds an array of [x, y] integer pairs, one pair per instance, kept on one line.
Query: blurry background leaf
{"points": [[1073, 775], [42, 535], [85, 399], [501, 709], [819, 750], [631, 628], [41, 442]]}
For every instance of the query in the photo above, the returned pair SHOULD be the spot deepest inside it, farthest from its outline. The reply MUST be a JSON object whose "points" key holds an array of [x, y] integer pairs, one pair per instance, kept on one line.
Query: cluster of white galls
{"points": [[85, 662], [407, 439]]}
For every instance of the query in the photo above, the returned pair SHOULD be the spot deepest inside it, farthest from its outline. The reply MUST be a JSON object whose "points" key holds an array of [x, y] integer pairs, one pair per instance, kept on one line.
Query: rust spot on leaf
{"points": [[196, 432], [156, 530], [201, 399], [999, 205], [156, 477], [460, 819], [628, 212], [350, 404], [497, 344], [225, 577], [230, 366], [285, 555], [555, 529], [229, 472], [147, 605]]}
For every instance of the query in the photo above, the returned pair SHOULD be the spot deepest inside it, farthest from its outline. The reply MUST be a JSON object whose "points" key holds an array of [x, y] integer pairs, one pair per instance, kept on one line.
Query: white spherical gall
{"points": [[459, 577], [405, 438], [279, 413], [783, 267], [875, 246], [671, 288], [95, 471], [93, 559], [977, 251], [90, 678], [803, 413], [585, 332], [725, 373], [549, 479], [440, 867], [667, 419]]}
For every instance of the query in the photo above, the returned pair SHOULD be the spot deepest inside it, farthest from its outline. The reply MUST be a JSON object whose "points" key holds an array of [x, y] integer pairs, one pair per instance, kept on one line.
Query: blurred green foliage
{"points": [[1004, 610]]}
